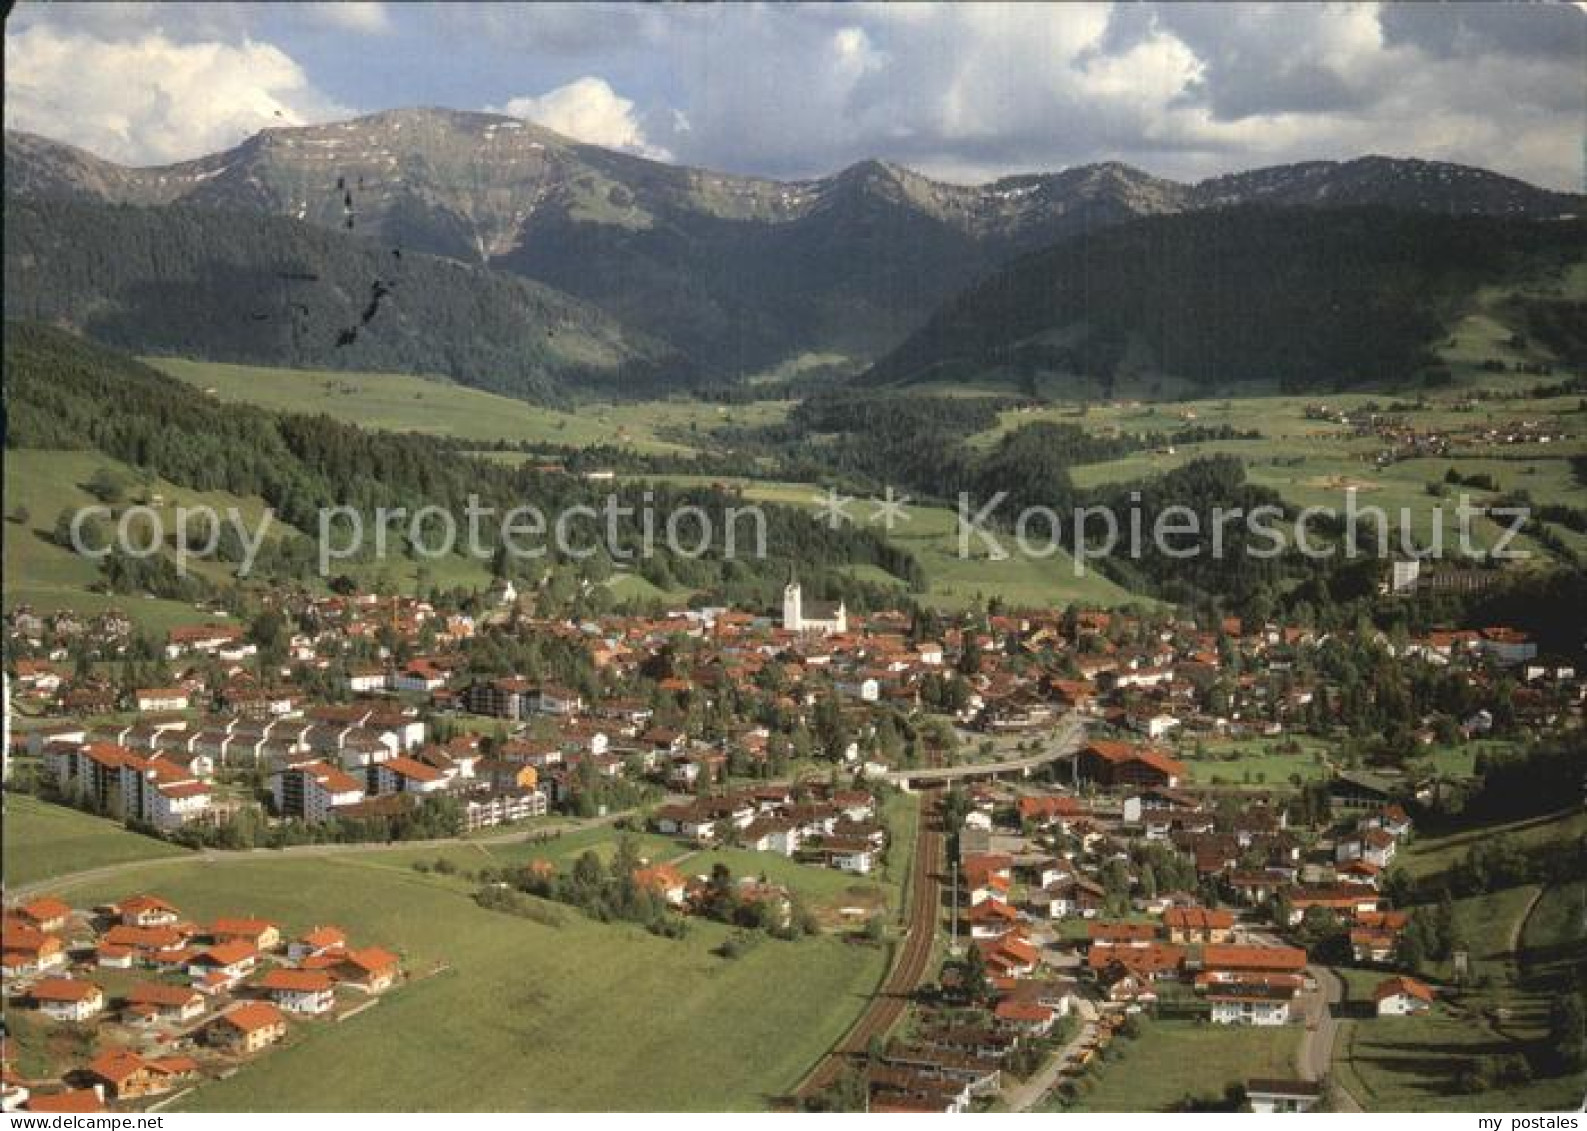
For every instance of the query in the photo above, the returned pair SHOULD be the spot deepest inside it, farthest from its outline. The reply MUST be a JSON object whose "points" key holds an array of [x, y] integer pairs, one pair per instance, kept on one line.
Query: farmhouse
{"points": [[155, 1001], [146, 911], [45, 914], [1400, 997], [67, 999], [317, 941], [124, 1075], [257, 933], [248, 1027], [300, 991], [28, 950], [370, 969]]}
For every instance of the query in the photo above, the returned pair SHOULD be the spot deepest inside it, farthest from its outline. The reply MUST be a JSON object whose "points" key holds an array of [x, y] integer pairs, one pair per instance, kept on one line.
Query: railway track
{"points": [[910, 966]]}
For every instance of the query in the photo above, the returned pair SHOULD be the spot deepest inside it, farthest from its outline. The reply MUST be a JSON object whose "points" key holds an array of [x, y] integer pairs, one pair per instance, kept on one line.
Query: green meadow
{"points": [[507, 1013], [43, 841]]}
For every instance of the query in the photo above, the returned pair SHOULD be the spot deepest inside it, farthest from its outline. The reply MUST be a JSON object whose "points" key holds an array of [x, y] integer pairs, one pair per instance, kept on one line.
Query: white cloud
{"points": [[589, 110], [149, 99], [368, 17]]}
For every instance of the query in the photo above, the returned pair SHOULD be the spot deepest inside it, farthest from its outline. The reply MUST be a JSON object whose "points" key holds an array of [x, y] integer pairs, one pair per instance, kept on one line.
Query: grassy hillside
{"points": [[400, 402], [514, 1015], [240, 287], [41, 573], [1241, 295], [43, 841], [1524, 941], [930, 534]]}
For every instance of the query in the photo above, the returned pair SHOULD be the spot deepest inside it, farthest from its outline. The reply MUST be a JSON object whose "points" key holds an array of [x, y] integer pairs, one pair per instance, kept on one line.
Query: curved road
{"points": [[910, 967], [1070, 733]]}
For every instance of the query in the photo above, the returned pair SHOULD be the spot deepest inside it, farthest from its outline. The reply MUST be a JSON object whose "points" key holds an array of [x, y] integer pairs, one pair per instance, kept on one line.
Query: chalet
{"points": [[992, 919], [772, 834], [261, 934], [149, 944], [29, 951], [1113, 764], [1374, 944], [67, 999], [300, 991], [124, 1075], [315, 942], [248, 1027], [1401, 997], [44, 914], [1346, 900], [149, 1002], [146, 911], [224, 964], [1010, 955], [370, 969]]}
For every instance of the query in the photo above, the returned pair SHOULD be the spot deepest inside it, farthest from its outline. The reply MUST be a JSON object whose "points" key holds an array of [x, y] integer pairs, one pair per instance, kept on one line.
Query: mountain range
{"points": [[711, 275]]}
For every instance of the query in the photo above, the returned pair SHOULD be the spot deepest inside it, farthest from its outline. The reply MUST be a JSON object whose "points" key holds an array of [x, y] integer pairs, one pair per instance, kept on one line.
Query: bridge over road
{"points": [[1065, 741]]}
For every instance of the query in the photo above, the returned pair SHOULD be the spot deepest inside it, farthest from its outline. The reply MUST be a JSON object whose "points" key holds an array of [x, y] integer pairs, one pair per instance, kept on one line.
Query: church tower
{"points": [[792, 606]]}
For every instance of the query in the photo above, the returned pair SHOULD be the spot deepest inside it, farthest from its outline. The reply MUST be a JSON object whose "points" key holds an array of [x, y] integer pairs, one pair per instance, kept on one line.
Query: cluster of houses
{"points": [[1052, 897], [837, 828], [190, 999]]}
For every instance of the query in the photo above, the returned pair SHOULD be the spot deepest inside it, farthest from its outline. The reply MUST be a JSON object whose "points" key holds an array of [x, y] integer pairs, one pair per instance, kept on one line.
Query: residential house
{"points": [[67, 999], [1402, 997], [248, 1027]]}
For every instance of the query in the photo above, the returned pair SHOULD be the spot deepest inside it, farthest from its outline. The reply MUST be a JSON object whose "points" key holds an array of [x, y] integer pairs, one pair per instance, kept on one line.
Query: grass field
{"points": [[399, 402], [1429, 855], [1173, 1061], [931, 533], [49, 577], [43, 841], [1523, 941], [523, 1016], [1253, 761]]}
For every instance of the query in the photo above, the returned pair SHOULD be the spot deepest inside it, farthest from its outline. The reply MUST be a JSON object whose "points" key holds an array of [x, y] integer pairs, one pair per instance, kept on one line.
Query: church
{"points": [[826, 617]]}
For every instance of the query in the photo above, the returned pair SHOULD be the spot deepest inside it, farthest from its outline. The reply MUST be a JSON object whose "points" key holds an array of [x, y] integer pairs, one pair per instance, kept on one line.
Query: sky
{"points": [[962, 92]]}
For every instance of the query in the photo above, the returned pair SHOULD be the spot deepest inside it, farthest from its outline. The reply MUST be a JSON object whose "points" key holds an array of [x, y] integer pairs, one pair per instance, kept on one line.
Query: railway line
{"points": [[910, 966]]}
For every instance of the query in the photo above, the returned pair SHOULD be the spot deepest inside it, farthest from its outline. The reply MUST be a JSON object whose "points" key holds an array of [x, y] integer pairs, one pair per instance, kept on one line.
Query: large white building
{"points": [[824, 617]]}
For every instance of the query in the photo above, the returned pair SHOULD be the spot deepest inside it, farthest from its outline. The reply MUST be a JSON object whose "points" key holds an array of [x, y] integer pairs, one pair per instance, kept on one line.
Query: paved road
{"points": [[910, 966], [1314, 1058], [1070, 734], [1030, 1093], [298, 851]]}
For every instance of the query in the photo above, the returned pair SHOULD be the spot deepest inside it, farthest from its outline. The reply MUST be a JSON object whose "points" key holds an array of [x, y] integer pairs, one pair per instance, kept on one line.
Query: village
{"points": [[1123, 816], [158, 1002]]}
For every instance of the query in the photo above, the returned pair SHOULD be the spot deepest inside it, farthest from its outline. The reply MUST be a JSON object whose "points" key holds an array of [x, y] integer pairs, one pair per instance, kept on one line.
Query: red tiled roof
{"points": [[252, 1016], [63, 989], [297, 981]]}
